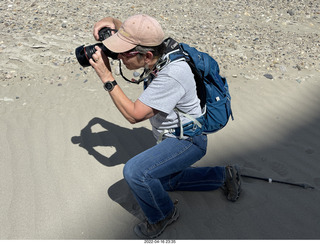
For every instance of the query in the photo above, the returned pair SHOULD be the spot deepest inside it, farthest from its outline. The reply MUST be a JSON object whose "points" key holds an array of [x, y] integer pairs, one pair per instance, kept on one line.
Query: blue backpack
{"points": [[212, 90]]}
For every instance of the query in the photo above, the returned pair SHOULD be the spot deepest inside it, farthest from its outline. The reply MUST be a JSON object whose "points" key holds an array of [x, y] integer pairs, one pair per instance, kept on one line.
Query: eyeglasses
{"points": [[130, 54]]}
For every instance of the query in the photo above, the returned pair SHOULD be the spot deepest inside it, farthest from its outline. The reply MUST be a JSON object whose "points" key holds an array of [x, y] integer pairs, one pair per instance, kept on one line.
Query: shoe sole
{"points": [[174, 217], [235, 174]]}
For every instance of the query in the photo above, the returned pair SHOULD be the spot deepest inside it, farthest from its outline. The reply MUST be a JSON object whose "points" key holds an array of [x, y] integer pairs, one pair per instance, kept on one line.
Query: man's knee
{"points": [[131, 171], [127, 172]]}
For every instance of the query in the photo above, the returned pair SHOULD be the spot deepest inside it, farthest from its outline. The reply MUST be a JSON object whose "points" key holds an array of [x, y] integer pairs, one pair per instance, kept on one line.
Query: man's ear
{"points": [[148, 57]]}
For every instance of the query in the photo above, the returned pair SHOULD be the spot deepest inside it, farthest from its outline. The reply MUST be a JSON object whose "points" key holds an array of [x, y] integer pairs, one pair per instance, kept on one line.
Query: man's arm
{"points": [[133, 111]]}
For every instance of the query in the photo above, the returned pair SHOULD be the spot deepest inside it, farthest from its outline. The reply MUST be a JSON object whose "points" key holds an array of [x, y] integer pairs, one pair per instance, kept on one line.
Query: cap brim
{"points": [[117, 45]]}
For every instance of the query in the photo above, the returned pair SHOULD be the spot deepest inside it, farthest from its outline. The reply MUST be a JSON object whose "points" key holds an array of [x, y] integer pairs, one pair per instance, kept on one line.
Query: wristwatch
{"points": [[109, 85]]}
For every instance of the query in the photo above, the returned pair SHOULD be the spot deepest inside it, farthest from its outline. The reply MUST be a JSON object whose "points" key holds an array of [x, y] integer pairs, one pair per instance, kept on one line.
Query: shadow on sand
{"points": [[127, 143]]}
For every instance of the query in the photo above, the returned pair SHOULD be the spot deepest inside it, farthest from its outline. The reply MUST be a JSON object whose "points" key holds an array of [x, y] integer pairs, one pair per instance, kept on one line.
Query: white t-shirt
{"points": [[174, 87]]}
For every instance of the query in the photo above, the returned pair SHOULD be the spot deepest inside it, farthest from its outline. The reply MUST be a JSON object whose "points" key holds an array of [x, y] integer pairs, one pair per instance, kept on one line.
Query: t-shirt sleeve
{"points": [[163, 93]]}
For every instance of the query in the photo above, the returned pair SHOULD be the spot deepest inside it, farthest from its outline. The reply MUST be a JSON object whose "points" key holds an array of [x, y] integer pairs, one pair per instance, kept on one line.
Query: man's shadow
{"points": [[127, 143]]}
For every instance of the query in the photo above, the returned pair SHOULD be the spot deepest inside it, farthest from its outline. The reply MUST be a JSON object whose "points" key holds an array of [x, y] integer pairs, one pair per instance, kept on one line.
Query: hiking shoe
{"points": [[232, 185], [145, 230]]}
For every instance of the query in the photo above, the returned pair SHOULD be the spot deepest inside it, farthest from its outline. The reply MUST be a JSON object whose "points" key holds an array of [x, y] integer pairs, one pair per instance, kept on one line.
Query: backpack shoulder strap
{"points": [[173, 51]]}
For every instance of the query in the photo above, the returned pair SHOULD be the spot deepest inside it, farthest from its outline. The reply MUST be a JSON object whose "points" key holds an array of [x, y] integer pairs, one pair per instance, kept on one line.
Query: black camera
{"points": [[84, 53]]}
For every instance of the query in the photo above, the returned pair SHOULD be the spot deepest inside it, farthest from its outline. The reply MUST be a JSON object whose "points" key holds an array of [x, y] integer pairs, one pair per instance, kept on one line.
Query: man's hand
{"points": [[101, 65], [106, 22]]}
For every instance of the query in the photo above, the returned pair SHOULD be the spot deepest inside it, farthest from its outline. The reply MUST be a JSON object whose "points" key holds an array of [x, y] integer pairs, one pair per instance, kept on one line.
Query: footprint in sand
{"points": [[279, 168], [309, 151]]}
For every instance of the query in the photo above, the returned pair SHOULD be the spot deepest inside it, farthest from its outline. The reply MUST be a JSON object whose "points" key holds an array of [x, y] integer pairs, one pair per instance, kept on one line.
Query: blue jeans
{"points": [[166, 167]]}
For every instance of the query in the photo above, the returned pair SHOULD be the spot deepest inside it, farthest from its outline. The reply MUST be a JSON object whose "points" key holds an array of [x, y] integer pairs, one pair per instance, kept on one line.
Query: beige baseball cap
{"points": [[136, 30]]}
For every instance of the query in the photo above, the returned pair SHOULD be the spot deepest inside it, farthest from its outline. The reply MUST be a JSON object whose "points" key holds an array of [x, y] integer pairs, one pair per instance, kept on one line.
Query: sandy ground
{"points": [[63, 144]]}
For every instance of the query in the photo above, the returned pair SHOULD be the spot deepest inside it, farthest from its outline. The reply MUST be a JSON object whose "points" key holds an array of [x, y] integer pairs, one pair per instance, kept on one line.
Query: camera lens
{"points": [[84, 54], [81, 56]]}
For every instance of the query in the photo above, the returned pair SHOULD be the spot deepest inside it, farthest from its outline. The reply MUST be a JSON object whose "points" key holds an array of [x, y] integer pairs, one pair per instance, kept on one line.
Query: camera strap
{"points": [[148, 74], [132, 80]]}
